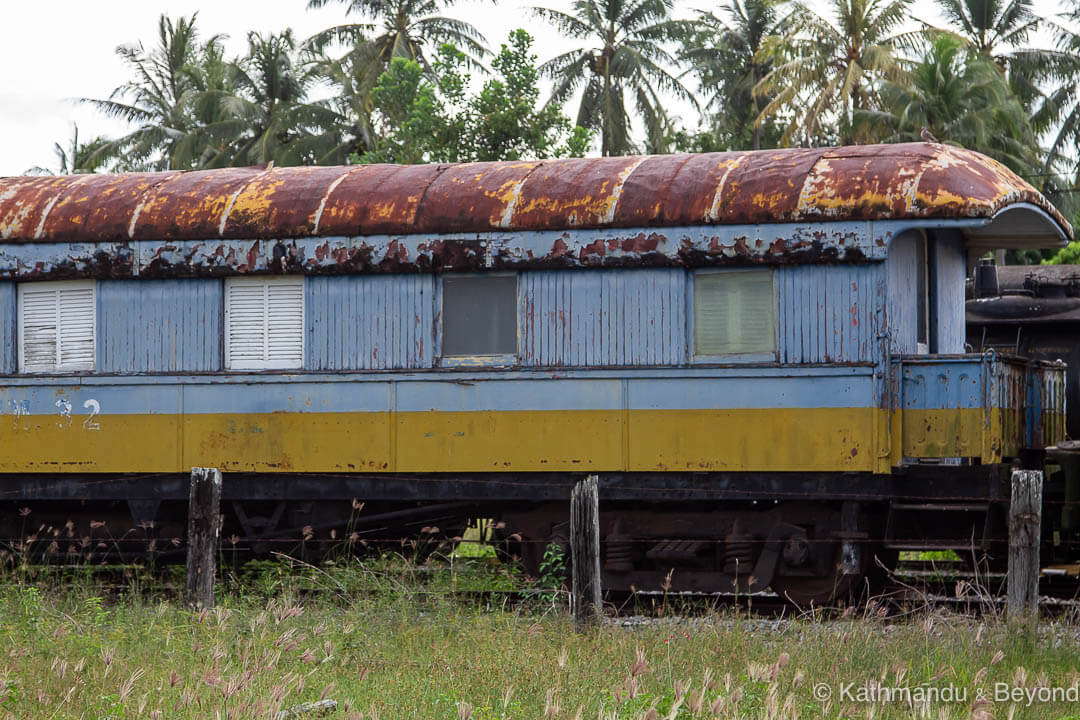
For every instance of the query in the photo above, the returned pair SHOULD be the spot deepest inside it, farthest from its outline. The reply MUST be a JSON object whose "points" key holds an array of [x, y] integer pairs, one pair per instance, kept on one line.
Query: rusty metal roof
{"points": [[868, 182]]}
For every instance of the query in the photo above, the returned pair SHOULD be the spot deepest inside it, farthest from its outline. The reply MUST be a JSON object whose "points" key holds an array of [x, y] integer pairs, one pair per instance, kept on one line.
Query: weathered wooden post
{"points": [[585, 553], [1025, 527], [204, 504]]}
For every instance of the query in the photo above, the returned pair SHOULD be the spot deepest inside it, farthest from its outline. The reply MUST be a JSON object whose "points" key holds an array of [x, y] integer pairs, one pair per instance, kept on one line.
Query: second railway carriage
{"points": [[760, 354]]}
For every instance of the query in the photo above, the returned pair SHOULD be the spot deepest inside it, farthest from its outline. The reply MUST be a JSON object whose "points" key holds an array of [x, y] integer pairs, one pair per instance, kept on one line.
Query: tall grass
{"points": [[384, 639]]}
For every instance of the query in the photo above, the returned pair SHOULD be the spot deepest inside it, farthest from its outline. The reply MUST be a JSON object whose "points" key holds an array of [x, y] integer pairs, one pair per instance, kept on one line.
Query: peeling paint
{"points": [[700, 246]]}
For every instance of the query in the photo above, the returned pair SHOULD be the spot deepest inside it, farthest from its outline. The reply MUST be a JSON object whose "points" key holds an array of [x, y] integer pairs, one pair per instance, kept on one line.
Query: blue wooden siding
{"points": [[829, 313], [8, 329], [170, 325], [602, 318], [370, 322], [949, 269]]}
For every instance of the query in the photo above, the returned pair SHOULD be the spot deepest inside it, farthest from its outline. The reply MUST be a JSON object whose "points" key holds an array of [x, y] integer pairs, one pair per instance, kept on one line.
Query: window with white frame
{"points": [[56, 326], [264, 323], [734, 313]]}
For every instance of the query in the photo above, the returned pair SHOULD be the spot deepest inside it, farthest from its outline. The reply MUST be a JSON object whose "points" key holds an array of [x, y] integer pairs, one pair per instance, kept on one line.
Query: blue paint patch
{"points": [[8, 328], [830, 313], [160, 326], [603, 318], [376, 322], [687, 389], [801, 390]]}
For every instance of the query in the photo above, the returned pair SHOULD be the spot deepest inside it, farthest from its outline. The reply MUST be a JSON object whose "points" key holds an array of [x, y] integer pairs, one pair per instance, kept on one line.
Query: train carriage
{"points": [[760, 354]]}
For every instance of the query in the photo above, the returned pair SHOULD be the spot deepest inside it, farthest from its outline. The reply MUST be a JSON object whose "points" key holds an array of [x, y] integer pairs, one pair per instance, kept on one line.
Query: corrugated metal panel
{"points": [[370, 322], [618, 317], [903, 283], [948, 269], [827, 312], [8, 328], [160, 325]]}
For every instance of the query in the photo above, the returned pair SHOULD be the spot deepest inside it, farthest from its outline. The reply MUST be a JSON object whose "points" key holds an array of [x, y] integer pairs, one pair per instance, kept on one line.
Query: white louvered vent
{"points": [[264, 323], [734, 313], [56, 326]]}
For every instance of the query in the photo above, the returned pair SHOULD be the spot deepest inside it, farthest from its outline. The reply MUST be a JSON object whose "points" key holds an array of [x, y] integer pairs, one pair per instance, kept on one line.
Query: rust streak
{"points": [[912, 180]]}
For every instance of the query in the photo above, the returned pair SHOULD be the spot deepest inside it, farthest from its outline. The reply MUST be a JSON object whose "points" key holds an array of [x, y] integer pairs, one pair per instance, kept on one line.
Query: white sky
{"points": [[52, 51]]}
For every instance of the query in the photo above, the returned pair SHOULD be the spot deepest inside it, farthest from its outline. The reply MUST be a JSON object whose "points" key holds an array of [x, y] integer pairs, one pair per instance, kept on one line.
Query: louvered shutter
{"points": [[77, 328], [56, 326], [264, 320], [734, 313]]}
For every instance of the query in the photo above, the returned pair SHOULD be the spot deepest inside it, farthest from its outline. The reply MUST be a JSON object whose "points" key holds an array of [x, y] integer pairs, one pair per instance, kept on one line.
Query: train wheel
{"points": [[837, 588], [807, 592]]}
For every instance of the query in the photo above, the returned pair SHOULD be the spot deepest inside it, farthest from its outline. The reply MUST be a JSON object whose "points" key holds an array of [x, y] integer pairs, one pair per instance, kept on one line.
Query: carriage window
{"points": [[264, 323], [479, 316], [56, 326], [734, 313]]}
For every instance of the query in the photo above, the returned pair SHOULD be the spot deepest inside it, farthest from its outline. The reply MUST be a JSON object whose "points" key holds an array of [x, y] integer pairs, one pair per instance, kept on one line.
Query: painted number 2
{"points": [[94, 407]]}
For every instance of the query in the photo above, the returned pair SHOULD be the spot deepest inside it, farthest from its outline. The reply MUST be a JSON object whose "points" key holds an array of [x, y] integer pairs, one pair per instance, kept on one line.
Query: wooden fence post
{"points": [[585, 553], [204, 504], [1025, 528]]}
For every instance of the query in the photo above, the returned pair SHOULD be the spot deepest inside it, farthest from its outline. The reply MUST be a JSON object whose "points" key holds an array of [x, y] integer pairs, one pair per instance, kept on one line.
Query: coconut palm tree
{"points": [[828, 67], [1001, 30], [1059, 112], [79, 157], [160, 96], [263, 114], [409, 29], [726, 55], [961, 97], [621, 67]]}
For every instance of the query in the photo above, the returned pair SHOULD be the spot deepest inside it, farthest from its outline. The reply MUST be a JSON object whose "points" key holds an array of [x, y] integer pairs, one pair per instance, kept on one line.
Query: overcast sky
{"points": [[52, 51]]}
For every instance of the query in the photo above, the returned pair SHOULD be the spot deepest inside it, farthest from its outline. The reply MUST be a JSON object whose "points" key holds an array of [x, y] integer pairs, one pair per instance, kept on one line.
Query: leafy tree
{"points": [[159, 98], [266, 106], [350, 103], [412, 119], [1000, 30], [828, 68], [961, 96], [506, 123], [424, 121], [79, 157], [1060, 111], [623, 64], [726, 54], [1068, 255], [261, 113], [408, 26], [407, 29]]}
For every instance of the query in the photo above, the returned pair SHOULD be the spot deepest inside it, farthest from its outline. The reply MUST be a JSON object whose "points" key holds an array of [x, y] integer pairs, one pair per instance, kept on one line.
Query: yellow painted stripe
{"points": [[119, 443], [735, 440], [944, 433], [822, 439], [766, 440]]}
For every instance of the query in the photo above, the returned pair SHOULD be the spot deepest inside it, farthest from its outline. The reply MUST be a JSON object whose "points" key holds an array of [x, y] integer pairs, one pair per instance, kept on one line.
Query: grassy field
{"points": [[386, 641]]}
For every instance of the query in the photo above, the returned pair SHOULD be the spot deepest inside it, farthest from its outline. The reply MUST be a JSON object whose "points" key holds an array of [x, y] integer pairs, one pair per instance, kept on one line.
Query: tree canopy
{"points": [[407, 81]]}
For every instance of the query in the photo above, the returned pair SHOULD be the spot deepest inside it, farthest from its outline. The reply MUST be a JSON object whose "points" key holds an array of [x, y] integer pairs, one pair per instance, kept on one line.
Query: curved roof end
{"points": [[1018, 226]]}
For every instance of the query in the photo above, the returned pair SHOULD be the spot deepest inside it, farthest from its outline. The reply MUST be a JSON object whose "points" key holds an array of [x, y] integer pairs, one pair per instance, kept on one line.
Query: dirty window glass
{"points": [[734, 313], [479, 316]]}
